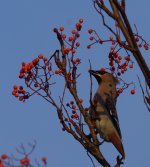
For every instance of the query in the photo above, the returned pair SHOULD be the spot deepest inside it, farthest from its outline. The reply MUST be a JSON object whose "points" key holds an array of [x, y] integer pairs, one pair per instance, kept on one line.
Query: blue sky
{"points": [[25, 31]]}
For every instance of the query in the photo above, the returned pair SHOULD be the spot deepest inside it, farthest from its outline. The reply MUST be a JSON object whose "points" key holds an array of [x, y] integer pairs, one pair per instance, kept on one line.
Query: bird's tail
{"points": [[116, 141]]}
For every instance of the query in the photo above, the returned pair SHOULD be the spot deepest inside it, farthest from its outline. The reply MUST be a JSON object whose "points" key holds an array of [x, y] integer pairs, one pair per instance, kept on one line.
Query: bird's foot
{"points": [[119, 160]]}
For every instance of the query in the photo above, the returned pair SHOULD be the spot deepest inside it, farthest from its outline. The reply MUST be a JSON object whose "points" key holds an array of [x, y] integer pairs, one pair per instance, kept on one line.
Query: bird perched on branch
{"points": [[103, 109]]}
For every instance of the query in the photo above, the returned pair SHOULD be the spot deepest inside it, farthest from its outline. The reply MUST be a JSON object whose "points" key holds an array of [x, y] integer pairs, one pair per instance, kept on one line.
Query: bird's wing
{"points": [[111, 107]]}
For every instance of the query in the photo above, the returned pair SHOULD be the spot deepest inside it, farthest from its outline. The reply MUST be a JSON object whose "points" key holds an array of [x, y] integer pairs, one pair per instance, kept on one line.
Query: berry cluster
{"points": [[36, 74], [118, 64], [25, 71], [23, 162], [141, 42], [120, 90], [70, 43], [73, 107], [20, 93], [122, 63], [28, 70]]}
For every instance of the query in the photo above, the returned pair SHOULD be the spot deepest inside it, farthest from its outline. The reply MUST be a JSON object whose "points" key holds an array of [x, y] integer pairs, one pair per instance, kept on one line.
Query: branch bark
{"points": [[118, 14]]}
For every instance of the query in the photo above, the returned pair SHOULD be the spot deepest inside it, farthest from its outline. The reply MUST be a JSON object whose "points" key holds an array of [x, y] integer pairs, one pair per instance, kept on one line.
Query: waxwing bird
{"points": [[103, 109]]}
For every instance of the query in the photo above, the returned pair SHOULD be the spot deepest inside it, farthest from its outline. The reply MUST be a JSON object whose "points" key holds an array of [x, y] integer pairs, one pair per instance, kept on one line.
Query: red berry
{"points": [[76, 116], [136, 39], [112, 47], [73, 51], [132, 91], [102, 69], [91, 38], [112, 69], [77, 35], [49, 68], [66, 50], [4, 156], [89, 46], [86, 109], [55, 29], [125, 68], [113, 42], [20, 87], [116, 54], [117, 61], [25, 161], [74, 31], [44, 159], [120, 90], [131, 65], [111, 38], [36, 85], [71, 102], [140, 45], [81, 20], [111, 63], [127, 58], [64, 36], [90, 31], [13, 93], [78, 26], [77, 44], [73, 106], [119, 57], [100, 41], [23, 64], [15, 87], [70, 38], [80, 100], [61, 28], [146, 46], [56, 72], [21, 98], [21, 75], [78, 60], [40, 56]]}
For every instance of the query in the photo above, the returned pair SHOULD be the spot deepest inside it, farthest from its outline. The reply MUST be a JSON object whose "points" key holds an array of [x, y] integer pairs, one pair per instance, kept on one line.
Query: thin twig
{"points": [[90, 158], [143, 94]]}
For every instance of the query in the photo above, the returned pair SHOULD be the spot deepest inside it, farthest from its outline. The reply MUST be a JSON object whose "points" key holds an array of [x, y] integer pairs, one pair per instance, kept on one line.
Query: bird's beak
{"points": [[94, 73]]}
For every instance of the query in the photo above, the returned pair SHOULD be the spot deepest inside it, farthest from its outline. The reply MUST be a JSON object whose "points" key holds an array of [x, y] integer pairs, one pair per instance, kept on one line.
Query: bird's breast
{"points": [[104, 127]]}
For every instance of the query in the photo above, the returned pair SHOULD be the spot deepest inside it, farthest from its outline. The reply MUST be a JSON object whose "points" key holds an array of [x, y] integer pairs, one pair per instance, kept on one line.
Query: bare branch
{"points": [[145, 98]]}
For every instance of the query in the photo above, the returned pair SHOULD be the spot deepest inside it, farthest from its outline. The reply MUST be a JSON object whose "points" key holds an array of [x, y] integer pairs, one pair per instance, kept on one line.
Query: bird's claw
{"points": [[119, 160]]}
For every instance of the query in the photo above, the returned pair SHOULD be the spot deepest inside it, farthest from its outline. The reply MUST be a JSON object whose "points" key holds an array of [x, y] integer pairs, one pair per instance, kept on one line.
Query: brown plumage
{"points": [[103, 111]]}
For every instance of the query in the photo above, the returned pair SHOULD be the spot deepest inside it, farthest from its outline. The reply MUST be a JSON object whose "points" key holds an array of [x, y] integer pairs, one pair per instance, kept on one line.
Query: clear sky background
{"points": [[25, 31]]}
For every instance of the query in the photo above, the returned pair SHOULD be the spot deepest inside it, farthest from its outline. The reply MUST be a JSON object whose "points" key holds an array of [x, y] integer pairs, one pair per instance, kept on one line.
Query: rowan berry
{"points": [[70, 39], [77, 44], [90, 31], [81, 20], [40, 56], [89, 46], [132, 91], [4, 156], [61, 28]]}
